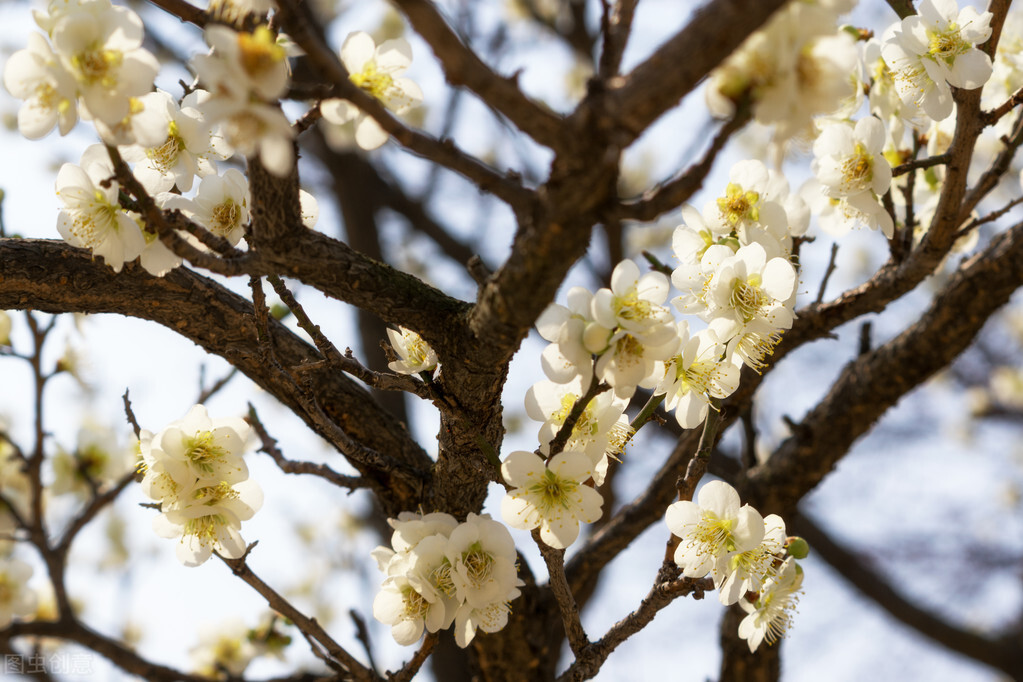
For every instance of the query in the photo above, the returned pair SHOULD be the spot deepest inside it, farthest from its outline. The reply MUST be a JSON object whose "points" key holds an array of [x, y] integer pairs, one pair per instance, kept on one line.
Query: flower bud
{"points": [[797, 547]]}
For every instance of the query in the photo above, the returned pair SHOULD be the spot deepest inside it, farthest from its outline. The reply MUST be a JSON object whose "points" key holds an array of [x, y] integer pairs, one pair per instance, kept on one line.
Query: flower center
{"points": [[372, 81], [259, 51], [204, 528], [858, 169], [738, 205], [713, 534], [416, 606], [225, 217], [754, 348], [947, 45], [478, 564], [747, 298], [95, 66], [166, 155], [202, 452], [552, 492], [632, 307], [212, 496]]}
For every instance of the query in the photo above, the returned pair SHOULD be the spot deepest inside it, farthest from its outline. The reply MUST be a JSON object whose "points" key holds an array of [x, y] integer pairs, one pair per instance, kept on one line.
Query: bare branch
{"points": [[673, 193], [304, 623], [288, 466], [463, 67], [300, 25], [555, 560], [670, 73], [183, 10], [864, 391], [1001, 652], [661, 594]]}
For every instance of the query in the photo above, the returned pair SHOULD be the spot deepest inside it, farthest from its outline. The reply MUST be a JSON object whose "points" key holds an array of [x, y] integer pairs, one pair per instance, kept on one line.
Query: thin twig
{"points": [[410, 669], [207, 393], [990, 217], [130, 415], [555, 560], [990, 117], [565, 432], [661, 594], [916, 164], [288, 466], [827, 273], [304, 623], [673, 193]]}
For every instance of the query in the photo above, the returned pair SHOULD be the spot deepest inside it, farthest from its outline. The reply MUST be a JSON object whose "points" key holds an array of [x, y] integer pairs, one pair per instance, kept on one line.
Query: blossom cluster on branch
{"points": [[443, 574], [195, 471]]}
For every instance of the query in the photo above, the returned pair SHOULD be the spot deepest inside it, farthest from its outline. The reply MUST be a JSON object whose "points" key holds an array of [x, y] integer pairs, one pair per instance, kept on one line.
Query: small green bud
{"points": [[797, 547], [279, 311]]}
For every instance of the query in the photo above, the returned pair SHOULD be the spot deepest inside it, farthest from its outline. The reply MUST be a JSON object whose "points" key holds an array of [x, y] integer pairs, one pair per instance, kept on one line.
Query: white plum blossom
{"points": [[750, 207], [221, 205], [92, 217], [853, 173], [574, 335], [174, 145], [635, 360], [711, 527], [34, 75], [850, 160], [243, 64], [223, 646], [770, 615], [550, 495], [414, 354], [406, 610], [696, 375], [836, 216], [935, 48], [748, 286], [194, 468], [377, 70], [798, 65], [254, 130], [98, 460], [440, 572], [694, 236], [100, 45], [737, 573], [601, 431], [634, 301]]}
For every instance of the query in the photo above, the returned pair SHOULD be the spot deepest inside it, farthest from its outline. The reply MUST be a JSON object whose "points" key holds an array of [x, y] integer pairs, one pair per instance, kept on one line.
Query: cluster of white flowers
{"points": [[735, 274], [797, 66], [90, 62], [376, 70], [245, 74], [194, 469], [936, 48], [441, 572], [744, 553]]}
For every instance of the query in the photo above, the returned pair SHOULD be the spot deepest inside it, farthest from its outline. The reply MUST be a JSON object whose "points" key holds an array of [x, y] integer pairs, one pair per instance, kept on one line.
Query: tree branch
{"points": [[54, 277], [670, 73], [1003, 652], [866, 389], [463, 67]]}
